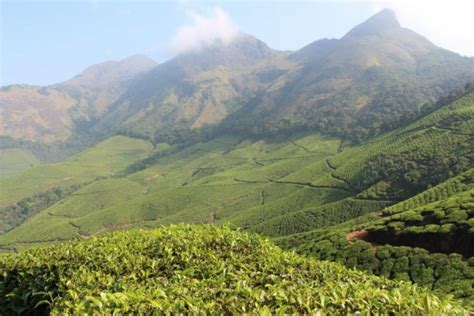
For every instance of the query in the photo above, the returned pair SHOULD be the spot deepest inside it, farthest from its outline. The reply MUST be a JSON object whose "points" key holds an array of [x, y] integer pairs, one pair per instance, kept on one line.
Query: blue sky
{"points": [[49, 42]]}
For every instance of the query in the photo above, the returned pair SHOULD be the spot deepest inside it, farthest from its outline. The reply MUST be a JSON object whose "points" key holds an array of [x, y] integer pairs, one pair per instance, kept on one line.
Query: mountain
{"points": [[196, 269], [49, 114], [102, 84], [196, 89], [379, 76], [375, 78]]}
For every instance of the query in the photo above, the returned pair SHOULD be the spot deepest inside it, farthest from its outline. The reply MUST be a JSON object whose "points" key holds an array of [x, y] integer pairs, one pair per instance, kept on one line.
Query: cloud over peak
{"points": [[204, 30]]}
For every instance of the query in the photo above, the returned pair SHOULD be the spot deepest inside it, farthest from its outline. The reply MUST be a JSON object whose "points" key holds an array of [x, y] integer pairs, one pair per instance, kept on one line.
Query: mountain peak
{"points": [[244, 49], [378, 23], [138, 60], [108, 72]]}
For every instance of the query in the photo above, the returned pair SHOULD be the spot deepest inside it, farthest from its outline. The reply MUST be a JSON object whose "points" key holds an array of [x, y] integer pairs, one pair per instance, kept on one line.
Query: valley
{"points": [[288, 190]]}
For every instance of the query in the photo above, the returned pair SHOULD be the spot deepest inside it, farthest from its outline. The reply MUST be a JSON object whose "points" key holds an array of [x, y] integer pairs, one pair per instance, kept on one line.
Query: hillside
{"points": [[390, 243], [25, 193], [54, 113], [196, 269], [377, 77], [308, 192], [272, 186]]}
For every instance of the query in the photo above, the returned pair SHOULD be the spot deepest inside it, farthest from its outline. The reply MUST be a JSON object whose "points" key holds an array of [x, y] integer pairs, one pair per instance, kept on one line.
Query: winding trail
{"points": [[310, 185], [300, 146], [452, 131], [351, 187]]}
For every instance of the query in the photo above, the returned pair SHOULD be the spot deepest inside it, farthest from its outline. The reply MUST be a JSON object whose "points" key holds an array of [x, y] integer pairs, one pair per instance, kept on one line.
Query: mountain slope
{"points": [[196, 89], [375, 78], [308, 184], [49, 114], [196, 269], [272, 186], [389, 245]]}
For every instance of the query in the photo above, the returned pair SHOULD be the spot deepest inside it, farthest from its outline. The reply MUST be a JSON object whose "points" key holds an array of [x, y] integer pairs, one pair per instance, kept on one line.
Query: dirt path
{"points": [[309, 185], [300, 146]]}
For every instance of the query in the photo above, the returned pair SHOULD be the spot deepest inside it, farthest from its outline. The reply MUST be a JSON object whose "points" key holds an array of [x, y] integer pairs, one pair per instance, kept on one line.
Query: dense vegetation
{"points": [[196, 269], [444, 226], [13, 215], [386, 244], [444, 274]]}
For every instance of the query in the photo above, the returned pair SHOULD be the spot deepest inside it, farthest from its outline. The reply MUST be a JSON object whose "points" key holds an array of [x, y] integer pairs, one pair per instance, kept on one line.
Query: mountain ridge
{"points": [[371, 80]]}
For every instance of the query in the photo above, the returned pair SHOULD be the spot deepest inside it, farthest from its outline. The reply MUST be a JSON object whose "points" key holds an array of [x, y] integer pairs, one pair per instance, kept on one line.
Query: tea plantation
{"points": [[390, 243], [362, 206], [196, 269]]}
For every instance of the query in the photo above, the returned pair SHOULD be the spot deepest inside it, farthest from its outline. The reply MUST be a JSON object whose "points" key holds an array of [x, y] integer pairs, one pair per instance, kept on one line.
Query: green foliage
{"points": [[441, 226], [107, 158], [442, 222], [439, 272], [14, 215], [196, 269], [14, 160]]}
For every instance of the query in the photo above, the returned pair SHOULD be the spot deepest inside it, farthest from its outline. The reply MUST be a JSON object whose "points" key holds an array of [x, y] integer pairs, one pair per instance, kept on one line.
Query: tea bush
{"points": [[196, 269]]}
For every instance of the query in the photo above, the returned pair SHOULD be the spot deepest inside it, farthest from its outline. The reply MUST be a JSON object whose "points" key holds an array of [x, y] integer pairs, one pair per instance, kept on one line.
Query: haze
{"points": [[49, 42]]}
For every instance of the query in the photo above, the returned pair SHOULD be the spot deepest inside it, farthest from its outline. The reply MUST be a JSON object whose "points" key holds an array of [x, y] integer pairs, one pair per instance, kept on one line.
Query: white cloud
{"points": [[204, 30], [448, 24]]}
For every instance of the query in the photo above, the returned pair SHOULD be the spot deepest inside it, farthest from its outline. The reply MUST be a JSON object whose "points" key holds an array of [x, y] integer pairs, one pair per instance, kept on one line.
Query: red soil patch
{"points": [[151, 177], [360, 235]]}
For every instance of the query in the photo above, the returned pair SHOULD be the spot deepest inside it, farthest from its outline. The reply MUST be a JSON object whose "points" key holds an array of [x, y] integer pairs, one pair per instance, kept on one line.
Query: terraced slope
{"points": [[15, 160], [323, 195], [390, 243], [204, 183], [196, 269], [429, 151], [26, 193]]}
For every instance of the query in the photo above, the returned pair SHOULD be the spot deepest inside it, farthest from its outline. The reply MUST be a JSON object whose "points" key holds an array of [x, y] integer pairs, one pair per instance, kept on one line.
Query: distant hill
{"points": [[196, 89], [196, 269], [53, 113], [377, 77]]}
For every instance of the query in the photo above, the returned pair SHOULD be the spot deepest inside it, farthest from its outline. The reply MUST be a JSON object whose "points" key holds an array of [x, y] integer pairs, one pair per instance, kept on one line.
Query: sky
{"points": [[46, 42]]}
